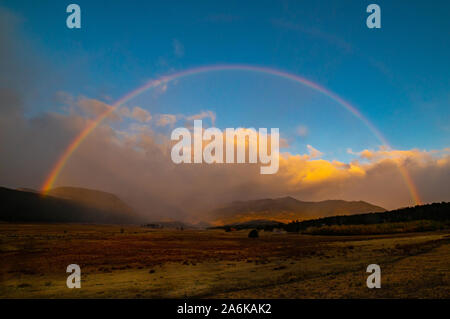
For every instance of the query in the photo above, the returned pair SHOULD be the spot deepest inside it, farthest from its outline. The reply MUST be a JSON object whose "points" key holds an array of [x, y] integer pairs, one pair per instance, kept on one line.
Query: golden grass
{"points": [[376, 229], [144, 263]]}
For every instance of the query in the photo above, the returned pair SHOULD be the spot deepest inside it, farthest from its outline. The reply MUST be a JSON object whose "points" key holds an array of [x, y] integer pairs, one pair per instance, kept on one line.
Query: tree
{"points": [[253, 234]]}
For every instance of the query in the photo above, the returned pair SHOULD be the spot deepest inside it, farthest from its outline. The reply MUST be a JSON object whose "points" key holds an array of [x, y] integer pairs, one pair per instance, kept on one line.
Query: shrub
{"points": [[253, 234]]}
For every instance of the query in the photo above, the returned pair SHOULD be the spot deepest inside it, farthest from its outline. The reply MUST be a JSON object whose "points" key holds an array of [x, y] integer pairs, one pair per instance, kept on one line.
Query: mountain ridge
{"points": [[29, 206], [76, 204], [93, 198], [286, 209]]}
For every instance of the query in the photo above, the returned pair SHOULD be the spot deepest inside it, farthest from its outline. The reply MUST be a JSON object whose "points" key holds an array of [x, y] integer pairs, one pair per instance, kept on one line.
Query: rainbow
{"points": [[57, 168]]}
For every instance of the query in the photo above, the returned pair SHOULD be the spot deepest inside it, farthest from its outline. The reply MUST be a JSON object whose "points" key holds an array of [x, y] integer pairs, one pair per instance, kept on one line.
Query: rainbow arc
{"points": [[72, 147]]}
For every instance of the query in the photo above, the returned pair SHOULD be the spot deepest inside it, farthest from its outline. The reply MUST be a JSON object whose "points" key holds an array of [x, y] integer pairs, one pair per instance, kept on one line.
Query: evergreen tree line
{"points": [[435, 211]]}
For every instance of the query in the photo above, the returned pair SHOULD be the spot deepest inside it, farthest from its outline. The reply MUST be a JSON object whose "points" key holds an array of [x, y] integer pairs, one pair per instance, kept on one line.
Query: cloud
{"points": [[313, 153], [379, 180], [302, 130], [315, 33], [384, 152], [143, 165], [137, 113], [94, 109], [136, 165], [202, 115], [18, 66], [178, 48], [166, 120]]}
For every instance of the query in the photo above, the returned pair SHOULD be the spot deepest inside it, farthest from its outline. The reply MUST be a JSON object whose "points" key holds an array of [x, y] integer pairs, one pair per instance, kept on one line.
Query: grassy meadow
{"points": [[137, 262], [377, 229]]}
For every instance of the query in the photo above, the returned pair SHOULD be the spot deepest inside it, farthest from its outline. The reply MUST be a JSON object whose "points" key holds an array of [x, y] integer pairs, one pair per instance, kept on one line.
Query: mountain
{"points": [[286, 209], [81, 205], [30, 190], [96, 199], [64, 205]]}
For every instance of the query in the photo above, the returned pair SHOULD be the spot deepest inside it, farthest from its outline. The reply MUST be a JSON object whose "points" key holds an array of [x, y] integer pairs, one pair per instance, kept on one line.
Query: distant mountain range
{"points": [[81, 205], [286, 209], [95, 199], [436, 212], [64, 205]]}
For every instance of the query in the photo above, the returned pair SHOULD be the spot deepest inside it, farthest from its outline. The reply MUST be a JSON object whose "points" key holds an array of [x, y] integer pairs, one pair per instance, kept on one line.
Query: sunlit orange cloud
{"points": [[301, 170], [391, 154], [305, 169]]}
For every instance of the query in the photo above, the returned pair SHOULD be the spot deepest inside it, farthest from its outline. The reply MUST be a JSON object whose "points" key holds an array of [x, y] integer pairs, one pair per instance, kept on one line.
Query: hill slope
{"points": [[286, 209], [430, 212], [73, 205], [94, 199]]}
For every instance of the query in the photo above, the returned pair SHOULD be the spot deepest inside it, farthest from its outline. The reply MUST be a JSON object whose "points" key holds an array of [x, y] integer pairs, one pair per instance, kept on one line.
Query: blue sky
{"points": [[397, 76]]}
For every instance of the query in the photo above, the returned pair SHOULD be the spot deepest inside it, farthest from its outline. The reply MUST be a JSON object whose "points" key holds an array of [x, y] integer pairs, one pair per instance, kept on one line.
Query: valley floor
{"points": [[135, 262]]}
